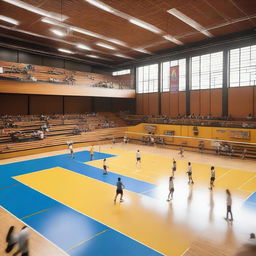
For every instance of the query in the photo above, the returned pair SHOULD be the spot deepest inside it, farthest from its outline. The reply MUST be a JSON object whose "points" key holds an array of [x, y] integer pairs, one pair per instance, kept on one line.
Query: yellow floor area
{"points": [[156, 170], [166, 227], [149, 225]]}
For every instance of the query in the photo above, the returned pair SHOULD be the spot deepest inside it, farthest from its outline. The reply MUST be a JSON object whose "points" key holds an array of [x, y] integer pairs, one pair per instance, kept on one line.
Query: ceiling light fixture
{"points": [[172, 39], [106, 46], [123, 56], [145, 25], [84, 47], [142, 50], [181, 16], [65, 51], [9, 20], [100, 5], [58, 32], [92, 56], [115, 41], [37, 10]]}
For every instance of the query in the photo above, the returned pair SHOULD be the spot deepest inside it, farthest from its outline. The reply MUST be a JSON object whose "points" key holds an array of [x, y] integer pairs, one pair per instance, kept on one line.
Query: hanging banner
{"points": [[174, 79]]}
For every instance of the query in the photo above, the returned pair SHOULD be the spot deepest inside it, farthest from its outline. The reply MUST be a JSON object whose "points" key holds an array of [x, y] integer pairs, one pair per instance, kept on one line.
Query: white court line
{"points": [[35, 231], [253, 177], [185, 251], [223, 175]]}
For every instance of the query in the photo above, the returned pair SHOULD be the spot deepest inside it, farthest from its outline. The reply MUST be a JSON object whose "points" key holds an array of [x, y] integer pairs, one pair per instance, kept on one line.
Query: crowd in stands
{"points": [[34, 73], [38, 127], [195, 120]]}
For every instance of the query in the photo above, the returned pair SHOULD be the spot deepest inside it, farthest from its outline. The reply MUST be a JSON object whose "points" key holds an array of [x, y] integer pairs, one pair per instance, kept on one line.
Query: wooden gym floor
{"points": [[70, 202]]}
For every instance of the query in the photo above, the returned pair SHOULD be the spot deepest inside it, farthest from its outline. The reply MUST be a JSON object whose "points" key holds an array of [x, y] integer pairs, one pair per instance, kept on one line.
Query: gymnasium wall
{"points": [[220, 133], [241, 102], [21, 104]]}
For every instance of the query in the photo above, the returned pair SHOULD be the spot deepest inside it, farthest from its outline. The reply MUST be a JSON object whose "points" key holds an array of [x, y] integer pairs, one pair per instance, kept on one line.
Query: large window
{"points": [[147, 79], [166, 68], [243, 66], [121, 72], [207, 71]]}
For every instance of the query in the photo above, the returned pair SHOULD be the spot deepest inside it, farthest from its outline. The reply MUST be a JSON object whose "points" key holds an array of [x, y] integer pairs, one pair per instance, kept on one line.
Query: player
{"points": [[138, 158], [212, 179], [171, 189], [105, 167], [181, 151], [70, 147], [119, 189], [173, 167], [189, 172], [92, 153], [229, 205]]}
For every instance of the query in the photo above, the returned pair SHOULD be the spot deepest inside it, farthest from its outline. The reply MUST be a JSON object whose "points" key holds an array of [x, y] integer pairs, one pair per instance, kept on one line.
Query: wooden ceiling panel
{"points": [[247, 6]]}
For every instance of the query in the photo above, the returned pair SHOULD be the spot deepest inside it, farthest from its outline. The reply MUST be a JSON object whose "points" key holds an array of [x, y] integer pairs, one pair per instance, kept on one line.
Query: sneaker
{"points": [[192, 182], [168, 200]]}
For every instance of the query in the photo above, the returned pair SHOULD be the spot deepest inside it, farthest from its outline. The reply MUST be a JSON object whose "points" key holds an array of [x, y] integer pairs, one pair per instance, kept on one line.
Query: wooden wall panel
{"points": [[216, 102], [165, 103], [174, 104], [139, 104], [102, 104], [119, 104], [145, 104], [195, 102], [13, 104], [254, 101], [45, 104], [77, 104], [240, 101], [205, 102], [153, 103], [182, 103]]}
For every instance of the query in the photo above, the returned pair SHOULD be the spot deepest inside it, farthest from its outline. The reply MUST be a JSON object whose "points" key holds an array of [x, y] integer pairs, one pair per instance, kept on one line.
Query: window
{"points": [[166, 74], [207, 71], [121, 72], [147, 79], [242, 70]]}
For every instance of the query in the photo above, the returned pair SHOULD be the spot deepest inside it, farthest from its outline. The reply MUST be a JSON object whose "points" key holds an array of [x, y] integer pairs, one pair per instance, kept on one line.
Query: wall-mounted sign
{"points": [[150, 128], [174, 79], [170, 133], [244, 135]]}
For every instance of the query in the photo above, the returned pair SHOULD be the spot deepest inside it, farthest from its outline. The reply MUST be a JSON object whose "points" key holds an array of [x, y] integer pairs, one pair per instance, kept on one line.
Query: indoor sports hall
{"points": [[127, 127]]}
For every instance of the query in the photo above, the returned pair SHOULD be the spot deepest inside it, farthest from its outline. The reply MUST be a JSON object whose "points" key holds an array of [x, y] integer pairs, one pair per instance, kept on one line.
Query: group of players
{"points": [[120, 186]]}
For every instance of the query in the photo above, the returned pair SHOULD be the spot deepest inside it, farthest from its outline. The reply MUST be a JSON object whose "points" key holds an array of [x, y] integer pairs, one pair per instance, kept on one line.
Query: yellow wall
{"points": [[204, 132]]}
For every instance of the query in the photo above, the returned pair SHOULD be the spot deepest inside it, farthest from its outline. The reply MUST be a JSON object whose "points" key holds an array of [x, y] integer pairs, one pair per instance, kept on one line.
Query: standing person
{"points": [[11, 239], [189, 172], [105, 166], [171, 189], [138, 157], [212, 179], [91, 153], [181, 151], [70, 147], [23, 242], [173, 167], [119, 189], [229, 205]]}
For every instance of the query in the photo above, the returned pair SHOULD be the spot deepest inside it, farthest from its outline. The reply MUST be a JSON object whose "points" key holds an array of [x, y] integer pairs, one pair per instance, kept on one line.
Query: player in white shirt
{"points": [[105, 167], [212, 179], [138, 157], [229, 205], [171, 189], [70, 147], [189, 172]]}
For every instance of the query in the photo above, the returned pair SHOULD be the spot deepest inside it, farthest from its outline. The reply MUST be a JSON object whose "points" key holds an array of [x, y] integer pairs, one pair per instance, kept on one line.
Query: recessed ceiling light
{"points": [[58, 32], [65, 50], [106, 46], [84, 47], [145, 25], [100, 5], [172, 39], [9, 20], [123, 56], [181, 16], [37, 10]]}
